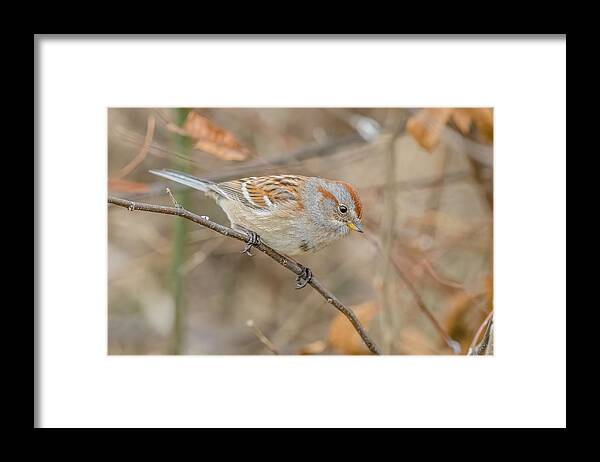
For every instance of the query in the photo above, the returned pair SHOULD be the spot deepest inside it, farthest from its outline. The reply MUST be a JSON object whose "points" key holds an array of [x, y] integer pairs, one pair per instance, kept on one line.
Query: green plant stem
{"points": [[178, 250]]}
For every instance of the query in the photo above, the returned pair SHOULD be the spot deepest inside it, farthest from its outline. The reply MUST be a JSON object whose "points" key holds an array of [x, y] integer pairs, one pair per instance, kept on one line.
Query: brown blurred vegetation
{"points": [[425, 180]]}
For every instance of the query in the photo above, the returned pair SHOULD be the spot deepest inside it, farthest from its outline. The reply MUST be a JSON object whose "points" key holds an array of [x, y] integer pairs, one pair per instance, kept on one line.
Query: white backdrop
{"points": [[524, 384]]}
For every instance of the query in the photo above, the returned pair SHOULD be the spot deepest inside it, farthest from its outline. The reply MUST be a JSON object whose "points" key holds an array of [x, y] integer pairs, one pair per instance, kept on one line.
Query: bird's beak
{"points": [[355, 226]]}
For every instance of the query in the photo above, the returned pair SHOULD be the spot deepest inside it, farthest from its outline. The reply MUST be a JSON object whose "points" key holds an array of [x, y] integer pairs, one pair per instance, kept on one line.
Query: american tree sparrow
{"points": [[292, 214]]}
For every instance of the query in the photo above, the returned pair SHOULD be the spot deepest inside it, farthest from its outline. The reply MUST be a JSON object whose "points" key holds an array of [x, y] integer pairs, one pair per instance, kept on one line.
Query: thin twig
{"points": [[199, 257], [452, 344], [487, 347], [446, 282], [474, 348], [262, 337], [279, 258], [482, 347], [137, 160], [309, 151], [175, 203]]}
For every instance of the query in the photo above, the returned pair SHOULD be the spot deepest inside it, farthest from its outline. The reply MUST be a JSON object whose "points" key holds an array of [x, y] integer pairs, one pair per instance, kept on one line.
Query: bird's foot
{"points": [[253, 239], [303, 278]]}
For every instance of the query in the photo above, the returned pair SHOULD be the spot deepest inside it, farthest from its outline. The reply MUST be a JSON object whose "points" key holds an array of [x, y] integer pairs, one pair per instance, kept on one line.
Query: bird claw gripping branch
{"points": [[303, 278], [253, 239]]}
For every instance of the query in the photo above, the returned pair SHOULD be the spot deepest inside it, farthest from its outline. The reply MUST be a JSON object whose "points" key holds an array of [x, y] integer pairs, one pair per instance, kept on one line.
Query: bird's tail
{"points": [[184, 178]]}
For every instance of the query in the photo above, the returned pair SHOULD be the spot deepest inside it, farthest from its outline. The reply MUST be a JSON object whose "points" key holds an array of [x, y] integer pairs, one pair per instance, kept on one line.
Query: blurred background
{"points": [[419, 279]]}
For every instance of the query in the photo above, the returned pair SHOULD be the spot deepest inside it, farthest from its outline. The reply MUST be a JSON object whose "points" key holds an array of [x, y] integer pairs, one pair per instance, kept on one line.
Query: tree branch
{"points": [[284, 261], [262, 337]]}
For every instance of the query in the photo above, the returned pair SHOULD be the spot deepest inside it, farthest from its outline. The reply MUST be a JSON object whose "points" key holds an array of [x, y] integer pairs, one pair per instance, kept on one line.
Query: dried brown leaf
{"points": [[463, 120], [483, 118], [426, 126], [210, 138], [465, 312], [313, 348], [489, 290]]}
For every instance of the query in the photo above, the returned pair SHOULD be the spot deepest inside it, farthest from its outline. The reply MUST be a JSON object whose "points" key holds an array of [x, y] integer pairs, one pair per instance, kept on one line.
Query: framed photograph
{"points": [[300, 231], [392, 208]]}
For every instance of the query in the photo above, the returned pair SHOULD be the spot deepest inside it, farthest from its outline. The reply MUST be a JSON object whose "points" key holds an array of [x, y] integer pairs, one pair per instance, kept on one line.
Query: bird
{"points": [[292, 214]]}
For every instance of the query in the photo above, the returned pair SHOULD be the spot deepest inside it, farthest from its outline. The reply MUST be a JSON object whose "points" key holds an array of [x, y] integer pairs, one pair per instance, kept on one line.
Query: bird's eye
{"points": [[343, 208]]}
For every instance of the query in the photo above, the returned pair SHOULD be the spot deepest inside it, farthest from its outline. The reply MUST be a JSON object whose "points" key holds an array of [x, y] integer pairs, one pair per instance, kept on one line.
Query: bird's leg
{"points": [[253, 239], [304, 277]]}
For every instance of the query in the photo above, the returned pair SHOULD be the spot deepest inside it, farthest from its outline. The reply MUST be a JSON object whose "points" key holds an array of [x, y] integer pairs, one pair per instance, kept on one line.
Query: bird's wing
{"points": [[268, 193]]}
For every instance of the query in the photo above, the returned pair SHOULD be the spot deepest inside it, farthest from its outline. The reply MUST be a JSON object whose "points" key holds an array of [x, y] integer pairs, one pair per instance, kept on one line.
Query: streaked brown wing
{"points": [[265, 192]]}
